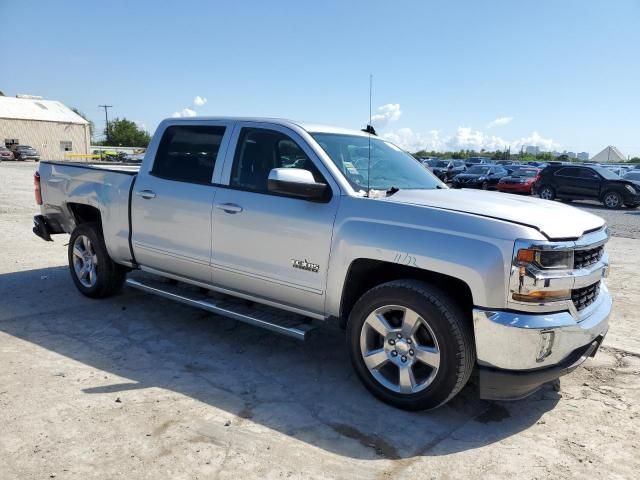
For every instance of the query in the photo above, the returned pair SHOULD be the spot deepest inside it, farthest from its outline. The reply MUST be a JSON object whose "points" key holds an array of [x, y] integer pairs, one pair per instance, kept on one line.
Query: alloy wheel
{"points": [[85, 261], [400, 349], [612, 200], [546, 193]]}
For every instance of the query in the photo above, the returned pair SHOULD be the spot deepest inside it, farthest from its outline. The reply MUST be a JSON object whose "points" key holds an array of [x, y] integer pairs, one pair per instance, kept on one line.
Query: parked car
{"points": [[6, 154], [457, 167], [587, 183], [429, 163], [471, 161], [520, 181], [441, 169], [485, 177], [430, 283], [26, 152]]}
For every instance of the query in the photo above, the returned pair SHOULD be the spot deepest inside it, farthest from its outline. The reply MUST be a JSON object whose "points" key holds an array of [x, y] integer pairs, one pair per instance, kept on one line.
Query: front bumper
{"points": [[514, 187], [520, 351]]}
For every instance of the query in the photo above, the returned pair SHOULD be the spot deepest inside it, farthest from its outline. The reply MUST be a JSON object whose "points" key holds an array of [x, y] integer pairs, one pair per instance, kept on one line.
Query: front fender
{"points": [[474, 249]]}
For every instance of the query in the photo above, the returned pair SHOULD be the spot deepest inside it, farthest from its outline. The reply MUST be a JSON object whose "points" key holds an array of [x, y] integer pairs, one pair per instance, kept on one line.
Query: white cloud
{"points": [[465, 138], [185, 112], [199, 101], [500, 121], [386, 113], [140, 125]]}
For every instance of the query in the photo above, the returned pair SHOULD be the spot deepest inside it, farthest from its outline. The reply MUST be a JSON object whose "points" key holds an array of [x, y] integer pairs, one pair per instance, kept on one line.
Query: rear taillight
{"points": [[36, 188]]}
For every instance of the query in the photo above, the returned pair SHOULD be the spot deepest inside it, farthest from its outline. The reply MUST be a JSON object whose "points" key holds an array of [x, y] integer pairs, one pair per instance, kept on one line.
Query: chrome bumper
{"points": [[527, 341]]}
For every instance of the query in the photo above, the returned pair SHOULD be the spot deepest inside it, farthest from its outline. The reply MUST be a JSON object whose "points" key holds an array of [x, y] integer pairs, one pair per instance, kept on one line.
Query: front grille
{"points": [[583, 297], [584, 258]]}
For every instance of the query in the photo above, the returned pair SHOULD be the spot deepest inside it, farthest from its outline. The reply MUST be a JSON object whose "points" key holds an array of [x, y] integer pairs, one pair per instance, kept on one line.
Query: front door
{"points": [[265, 245], [173, 199]]}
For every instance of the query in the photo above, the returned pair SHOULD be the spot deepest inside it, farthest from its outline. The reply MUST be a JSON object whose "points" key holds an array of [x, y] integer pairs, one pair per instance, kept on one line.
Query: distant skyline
{"points": [[560, 75]]}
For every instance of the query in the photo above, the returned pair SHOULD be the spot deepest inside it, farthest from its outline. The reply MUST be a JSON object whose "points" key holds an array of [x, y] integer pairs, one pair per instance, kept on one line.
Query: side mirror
{"points": [[296, 182]]}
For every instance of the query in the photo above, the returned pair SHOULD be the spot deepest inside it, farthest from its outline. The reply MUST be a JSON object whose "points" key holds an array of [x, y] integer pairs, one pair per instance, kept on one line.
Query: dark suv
{"points": [[587, 183]]}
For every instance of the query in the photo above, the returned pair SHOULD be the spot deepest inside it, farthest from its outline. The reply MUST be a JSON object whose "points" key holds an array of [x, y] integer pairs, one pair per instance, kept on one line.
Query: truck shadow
{"points": [[304, 390]]}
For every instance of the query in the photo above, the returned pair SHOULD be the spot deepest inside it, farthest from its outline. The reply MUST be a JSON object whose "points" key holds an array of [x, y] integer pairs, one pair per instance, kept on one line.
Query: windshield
{"points": [[606, 173], [525, 173], [478, 170], [441, 164], [390, 166], [632, 176]]}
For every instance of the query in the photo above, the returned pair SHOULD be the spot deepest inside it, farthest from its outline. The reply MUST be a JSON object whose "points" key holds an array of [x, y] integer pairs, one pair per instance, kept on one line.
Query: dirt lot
{"points": [[138, 387]]}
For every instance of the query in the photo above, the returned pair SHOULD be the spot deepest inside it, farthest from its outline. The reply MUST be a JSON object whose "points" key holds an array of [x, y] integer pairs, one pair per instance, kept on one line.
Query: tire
{"points": [[442, 330], [547, 193], [612, 200], [485, 186], [92, 270]]}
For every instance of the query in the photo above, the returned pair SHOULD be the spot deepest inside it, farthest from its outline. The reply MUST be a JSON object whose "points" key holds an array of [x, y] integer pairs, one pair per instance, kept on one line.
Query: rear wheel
{"points": [[410, 344], [485, 186], [547, 193], [92, 270], [612, 200]]}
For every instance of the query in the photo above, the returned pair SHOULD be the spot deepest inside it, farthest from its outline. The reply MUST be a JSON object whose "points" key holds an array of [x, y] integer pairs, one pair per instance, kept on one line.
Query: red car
{"points": [[520, 181], [6, 154]]}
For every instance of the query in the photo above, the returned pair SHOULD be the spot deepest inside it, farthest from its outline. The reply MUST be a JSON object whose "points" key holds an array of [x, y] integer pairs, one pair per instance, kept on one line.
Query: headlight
{"points": [[631, 189], [482, 179], [546, 259]]}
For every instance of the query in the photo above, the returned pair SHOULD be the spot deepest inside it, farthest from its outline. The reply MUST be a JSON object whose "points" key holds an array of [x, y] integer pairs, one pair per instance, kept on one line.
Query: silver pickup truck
{"points": [[286, 225]]}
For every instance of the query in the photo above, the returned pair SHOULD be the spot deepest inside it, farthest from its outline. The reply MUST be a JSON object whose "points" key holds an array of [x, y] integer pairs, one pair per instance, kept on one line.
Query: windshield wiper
{"points": [[392, 190]]}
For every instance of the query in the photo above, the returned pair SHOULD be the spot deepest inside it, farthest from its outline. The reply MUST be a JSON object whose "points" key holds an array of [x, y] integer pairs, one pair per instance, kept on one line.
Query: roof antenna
{"points": [[370, 130]]}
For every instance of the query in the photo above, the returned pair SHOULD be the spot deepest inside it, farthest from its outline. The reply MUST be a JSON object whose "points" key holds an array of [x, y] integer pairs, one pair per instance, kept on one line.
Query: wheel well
{"points": [[364, 274], [85, 213]]}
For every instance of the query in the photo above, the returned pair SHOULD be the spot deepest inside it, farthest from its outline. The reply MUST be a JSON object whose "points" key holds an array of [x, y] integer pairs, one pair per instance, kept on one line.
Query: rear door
{"points": [[173, 198], [590, 182], [568, 181], [266, 245]]}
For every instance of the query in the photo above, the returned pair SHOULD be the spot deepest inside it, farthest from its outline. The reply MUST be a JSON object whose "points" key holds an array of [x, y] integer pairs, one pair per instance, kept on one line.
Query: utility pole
{"points": [[106, 119]]}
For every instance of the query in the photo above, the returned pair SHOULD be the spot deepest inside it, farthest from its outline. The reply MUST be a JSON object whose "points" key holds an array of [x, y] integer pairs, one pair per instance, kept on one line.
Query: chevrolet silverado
{"points": [[286, 225]]}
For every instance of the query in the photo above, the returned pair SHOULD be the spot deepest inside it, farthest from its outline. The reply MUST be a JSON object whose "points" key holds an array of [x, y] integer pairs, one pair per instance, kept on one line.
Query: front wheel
{"points": [[612, 200], [91, 267], [410, 344]]}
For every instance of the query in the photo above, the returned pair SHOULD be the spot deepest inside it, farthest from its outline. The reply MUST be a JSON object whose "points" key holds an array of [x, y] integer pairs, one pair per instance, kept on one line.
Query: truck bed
{"points": [[103, 187], [119, 167]]}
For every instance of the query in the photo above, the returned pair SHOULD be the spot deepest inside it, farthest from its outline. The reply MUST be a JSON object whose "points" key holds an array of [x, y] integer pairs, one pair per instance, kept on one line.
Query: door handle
{"points": [[146, 194], [229, 207]]}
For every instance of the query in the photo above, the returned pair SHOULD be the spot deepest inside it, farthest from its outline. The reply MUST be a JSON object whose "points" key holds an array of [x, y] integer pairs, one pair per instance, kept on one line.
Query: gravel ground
{"points": [[139, 387], [622, 223]]}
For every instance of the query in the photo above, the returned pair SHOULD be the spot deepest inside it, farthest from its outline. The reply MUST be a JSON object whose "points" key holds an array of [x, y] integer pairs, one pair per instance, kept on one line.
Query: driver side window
{"points": [[258, 151]]}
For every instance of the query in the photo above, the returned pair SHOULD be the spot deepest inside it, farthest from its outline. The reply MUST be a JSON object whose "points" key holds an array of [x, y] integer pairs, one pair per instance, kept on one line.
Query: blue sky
{"points": [[560, 74]]}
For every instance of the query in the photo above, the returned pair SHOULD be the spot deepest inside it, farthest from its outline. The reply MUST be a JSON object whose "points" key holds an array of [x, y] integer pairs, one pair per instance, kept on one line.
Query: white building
{"points": [[584, 156], [609, 155], [532, 150], [50, 127]]}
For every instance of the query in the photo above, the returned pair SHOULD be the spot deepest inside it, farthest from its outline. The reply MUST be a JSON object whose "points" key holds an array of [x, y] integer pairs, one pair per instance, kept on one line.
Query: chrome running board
{"points": [[285, 323]]}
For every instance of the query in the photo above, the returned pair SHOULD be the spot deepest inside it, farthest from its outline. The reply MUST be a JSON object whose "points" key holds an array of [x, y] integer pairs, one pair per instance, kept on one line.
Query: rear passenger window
{"points": [[588, 173], [260, 150], [568, 172], [187, 153]]}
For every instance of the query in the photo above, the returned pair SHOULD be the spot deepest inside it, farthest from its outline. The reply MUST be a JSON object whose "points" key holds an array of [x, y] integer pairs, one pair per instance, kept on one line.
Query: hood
{"points": [[471, 175], [553, 219]]}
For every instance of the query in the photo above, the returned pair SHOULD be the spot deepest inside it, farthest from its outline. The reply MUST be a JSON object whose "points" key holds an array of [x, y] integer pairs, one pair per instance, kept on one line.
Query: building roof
{"points": [[36, 109], [609, 155]]}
